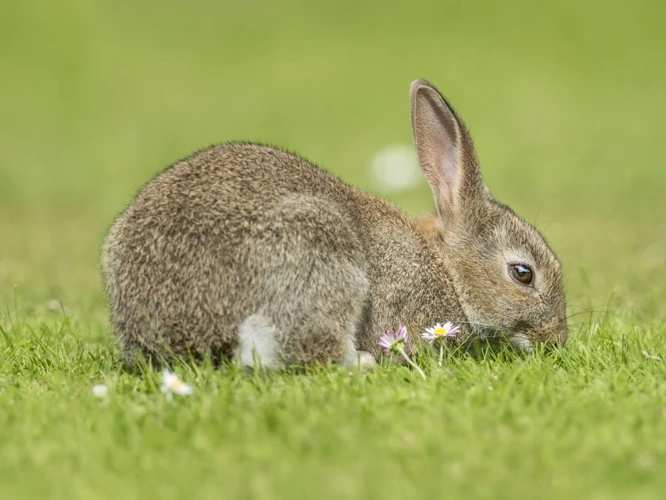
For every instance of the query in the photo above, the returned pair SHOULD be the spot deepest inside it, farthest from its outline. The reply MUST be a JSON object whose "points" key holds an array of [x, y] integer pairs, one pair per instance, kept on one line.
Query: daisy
{"points": [[439, 332], [172, 384], [393, 344]]}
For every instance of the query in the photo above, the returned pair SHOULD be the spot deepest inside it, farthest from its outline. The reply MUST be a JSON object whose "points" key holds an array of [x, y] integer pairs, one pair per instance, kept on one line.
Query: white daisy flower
{"points": [[172, 384], [439, 331]]}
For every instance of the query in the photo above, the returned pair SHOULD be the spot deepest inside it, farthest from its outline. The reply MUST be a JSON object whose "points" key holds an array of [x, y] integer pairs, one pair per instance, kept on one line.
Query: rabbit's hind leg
{"points": [[308, 316], [310, 290]]}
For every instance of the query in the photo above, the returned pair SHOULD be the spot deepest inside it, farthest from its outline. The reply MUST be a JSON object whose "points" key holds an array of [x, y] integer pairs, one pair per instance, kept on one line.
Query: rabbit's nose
{"points": [[552, 334]]}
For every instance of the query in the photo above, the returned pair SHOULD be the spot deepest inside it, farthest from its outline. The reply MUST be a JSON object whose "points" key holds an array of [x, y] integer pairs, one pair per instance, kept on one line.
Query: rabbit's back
{"points": [[222, 235]]}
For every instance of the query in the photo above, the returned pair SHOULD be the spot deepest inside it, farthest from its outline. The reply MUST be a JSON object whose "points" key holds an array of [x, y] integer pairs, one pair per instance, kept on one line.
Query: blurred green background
{"points": [[565, 101]]}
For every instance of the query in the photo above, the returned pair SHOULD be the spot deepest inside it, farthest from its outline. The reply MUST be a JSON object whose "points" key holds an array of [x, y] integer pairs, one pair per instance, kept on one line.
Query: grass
{"points": [[589, 422], [566, 104]]}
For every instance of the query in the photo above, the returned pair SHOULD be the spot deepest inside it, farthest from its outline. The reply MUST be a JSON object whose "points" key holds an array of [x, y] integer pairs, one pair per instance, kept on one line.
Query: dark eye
{"points": [[521, 273]]}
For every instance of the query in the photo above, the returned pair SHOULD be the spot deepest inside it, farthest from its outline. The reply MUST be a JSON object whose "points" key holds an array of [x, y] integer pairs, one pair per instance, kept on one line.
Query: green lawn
{"points": [[565, 101]]}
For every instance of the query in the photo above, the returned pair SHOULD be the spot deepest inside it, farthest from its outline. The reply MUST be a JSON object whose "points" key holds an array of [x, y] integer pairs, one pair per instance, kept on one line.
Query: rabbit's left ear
{"points": [[445, 151]]}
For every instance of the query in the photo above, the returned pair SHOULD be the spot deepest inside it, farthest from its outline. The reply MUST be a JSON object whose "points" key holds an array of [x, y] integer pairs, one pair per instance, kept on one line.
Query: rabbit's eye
{"points": [[521, 273]]}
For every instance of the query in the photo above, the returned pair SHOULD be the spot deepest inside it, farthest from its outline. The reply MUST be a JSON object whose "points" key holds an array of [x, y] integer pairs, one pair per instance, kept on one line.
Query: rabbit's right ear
{"points": [[445, 151]]}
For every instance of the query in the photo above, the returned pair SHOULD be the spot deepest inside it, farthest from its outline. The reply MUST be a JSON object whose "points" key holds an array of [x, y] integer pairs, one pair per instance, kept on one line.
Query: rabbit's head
{"points": [[508, 280]]}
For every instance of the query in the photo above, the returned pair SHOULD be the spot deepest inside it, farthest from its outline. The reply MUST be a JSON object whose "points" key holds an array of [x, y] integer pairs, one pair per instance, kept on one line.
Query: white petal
{"points": [[168, 377], [183, 389]]}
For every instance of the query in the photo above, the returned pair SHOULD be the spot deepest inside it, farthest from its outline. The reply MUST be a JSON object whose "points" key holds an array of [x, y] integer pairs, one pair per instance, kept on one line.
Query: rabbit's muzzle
{"points": [[551, 334], [547, 335]]}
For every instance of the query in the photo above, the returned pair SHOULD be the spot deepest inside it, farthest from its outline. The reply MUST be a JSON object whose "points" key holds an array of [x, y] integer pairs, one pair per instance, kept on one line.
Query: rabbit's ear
{"points": [[445, 151]]}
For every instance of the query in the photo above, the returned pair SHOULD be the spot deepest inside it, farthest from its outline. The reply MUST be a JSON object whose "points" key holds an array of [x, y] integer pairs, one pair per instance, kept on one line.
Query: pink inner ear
{"points": [[449, 174], [436, 133]]}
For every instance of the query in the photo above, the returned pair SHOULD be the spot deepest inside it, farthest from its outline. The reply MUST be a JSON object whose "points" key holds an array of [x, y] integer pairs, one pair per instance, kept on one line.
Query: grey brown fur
{"points": [[244, 229]]}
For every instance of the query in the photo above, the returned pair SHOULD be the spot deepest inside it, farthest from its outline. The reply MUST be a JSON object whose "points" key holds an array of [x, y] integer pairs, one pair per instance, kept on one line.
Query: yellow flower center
{"points": [[440, 331], [176, 384], [398, 346]]}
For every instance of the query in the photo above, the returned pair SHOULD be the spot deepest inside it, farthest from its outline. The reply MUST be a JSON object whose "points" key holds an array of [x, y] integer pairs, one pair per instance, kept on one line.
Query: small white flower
{"points": [[439, 331], [172, 384], [100, 391]]}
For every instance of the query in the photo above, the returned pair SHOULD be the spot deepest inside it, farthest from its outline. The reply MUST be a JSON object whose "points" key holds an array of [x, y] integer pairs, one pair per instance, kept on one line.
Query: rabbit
{"points": [[250, 254]]}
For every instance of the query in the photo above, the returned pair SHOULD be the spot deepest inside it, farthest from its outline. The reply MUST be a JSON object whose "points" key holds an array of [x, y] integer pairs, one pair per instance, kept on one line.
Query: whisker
{"points": [[578, 307], [478, 323], [594, 311]]}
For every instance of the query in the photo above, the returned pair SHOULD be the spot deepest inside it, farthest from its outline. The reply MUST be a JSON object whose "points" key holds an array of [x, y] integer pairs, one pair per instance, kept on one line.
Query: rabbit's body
{"points": [[248, 252], [243, 240]]}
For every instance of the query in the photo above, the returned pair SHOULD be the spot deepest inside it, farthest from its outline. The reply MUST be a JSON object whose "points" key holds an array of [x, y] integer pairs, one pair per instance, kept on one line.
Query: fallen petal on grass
{"points": [[647, 355]]}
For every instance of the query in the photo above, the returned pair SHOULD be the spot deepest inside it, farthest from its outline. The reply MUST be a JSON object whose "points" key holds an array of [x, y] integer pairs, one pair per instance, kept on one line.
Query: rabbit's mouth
{"points": [[527, 341], [521, 342], [519, 339]]}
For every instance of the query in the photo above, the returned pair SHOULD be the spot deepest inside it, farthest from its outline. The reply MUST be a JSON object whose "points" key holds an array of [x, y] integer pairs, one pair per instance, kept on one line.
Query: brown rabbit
{"points": [[247, 252]]}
